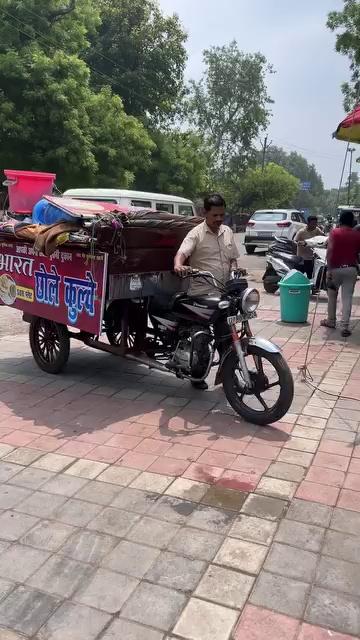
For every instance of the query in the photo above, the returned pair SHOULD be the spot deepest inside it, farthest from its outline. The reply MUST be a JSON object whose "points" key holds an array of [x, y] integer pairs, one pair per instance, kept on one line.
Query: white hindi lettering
{"points": [[80, 296], [47, 286], [11, 263]]}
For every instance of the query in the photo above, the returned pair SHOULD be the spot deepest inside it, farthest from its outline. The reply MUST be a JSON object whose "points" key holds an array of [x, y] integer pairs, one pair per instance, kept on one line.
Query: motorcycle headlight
{"points": [[250, 300]]}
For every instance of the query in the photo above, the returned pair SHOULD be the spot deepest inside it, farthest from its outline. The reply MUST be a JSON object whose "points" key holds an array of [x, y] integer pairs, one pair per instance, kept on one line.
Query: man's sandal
{"points": [[326, 323]]}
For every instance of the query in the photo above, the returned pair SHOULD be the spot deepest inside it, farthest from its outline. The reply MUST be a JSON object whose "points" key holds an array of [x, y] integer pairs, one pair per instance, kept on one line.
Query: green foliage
{"points": [[179, 165], [229, 105], [272, 188], [142, 54], [347, 25]]}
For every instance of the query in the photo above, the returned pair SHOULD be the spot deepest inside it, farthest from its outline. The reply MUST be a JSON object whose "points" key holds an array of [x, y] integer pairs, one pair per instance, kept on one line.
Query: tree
{"points": [[230, 104], [142, 54], [347, 24], [179, 165], [272, 188], [50, 119]]}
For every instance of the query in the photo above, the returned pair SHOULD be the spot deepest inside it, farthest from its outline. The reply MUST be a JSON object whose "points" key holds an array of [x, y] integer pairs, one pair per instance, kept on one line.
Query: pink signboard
{"points": [[68, 287]]}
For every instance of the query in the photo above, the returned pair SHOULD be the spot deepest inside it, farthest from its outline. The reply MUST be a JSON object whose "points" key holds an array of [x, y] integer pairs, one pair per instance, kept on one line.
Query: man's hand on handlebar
{"points": [[182, 270]]}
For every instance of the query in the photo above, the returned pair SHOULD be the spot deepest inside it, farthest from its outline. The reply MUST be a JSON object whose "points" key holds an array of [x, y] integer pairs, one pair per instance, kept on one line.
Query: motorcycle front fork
{"points": [[240, 354]]}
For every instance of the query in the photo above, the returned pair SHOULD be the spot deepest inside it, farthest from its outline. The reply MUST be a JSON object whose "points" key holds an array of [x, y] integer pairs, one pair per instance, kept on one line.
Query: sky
{"points": [[306, 87]]}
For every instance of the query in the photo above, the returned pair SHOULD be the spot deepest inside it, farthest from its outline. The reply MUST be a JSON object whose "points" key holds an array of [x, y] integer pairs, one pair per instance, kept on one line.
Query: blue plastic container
{"points": [[46, 213]]}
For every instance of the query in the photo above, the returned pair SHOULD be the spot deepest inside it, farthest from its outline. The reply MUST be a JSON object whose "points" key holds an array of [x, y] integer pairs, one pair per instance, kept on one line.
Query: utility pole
{"points": [[351, 151], [265, 146]]}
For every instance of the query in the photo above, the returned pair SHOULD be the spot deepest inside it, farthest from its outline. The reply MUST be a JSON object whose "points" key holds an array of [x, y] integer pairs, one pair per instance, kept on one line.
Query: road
{"points": [[11, 320]]}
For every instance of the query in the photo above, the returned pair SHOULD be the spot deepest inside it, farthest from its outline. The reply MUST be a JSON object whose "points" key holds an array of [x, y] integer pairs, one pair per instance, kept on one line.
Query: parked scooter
{"points": [[282, 258]]}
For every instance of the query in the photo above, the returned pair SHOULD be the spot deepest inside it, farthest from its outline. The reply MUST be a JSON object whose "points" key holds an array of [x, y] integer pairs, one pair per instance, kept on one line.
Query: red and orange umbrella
{"points": [[349, 128]]}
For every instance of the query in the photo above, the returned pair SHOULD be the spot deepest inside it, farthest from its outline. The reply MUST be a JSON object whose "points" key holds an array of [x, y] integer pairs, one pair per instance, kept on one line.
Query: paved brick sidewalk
{"points": [[132, 508]]}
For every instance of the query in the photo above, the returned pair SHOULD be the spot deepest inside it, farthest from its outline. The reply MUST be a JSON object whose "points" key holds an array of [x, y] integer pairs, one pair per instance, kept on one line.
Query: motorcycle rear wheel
{"points": [[235, 394]]}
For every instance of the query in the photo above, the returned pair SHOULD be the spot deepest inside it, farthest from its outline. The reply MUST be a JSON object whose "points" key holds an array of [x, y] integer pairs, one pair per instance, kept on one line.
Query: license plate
{"points": [[231, 320], [264, 234]]}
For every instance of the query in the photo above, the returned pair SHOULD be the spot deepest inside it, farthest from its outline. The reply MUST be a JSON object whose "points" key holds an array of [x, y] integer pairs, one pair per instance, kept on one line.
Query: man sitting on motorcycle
{"points": [[303, 251], [210, 246]]}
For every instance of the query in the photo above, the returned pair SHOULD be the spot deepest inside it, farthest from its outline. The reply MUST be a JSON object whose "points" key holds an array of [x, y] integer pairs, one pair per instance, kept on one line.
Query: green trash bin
{"points": [[295, 289]]}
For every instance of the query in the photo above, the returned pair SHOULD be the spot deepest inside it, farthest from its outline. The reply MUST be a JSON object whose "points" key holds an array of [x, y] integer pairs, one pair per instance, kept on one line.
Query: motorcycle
{"points": [[182, 334], [281, 258]]}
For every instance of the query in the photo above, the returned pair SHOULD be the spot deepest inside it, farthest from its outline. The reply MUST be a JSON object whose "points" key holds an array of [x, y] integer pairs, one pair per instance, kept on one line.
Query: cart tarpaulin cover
{"points": [[349, 128]]}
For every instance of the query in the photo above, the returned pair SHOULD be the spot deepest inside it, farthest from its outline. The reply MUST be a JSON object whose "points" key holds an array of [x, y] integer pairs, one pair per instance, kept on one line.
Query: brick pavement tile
{"points": [[264, 507], [205, 621], [318, 493], [131, 631], [22, 455], [339, 448], [183, 452], [76, 448], [169, 466], [349, 500], [77, 512], [154, 482], [60, 576], [11, 496], [354, 465], [336, 610], [13, 525], [338, 575], [137, 460], [5, 588], [19, 438], [253, 529], [317, 412], [130, 558], [330, 477], [103, 453], [281, 594], [231, 445], [285, 471], [31, 478], [98, 492], [47, 443], [276, 488], [26, 610], [340, 436], [309, 512], [95, 437], [187, 489], [153, 532], [154, 605], [225, 586], [352, 482], [223, 498], [86, 469], [152, 446], [331, 461], [260, 624], [88, 546], [96, 593], [48, 535], [298, 534], [301, 444], [217, 458], [194, 543], [113, 521], [291, 562], [119, 475], [39, 504], [176, 572], [342, 545], [299, 458], [309, 632], [211, 519], [64, 485], [134, 500], [52, 462], [307, 432], [346, 521], [172, 509], [18, 562], [8, 470], [264, 451], [241, 555], [5, 449], [74, 622], [239, 480], [203, 473]]}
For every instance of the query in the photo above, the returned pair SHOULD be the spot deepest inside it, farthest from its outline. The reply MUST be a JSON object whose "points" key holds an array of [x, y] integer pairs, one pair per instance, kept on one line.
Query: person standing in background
{"points": [[310, 231]]}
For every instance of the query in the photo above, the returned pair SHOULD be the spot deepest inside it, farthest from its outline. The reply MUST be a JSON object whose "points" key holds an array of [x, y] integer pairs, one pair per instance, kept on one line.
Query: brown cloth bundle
{"points": [[47, 238]]}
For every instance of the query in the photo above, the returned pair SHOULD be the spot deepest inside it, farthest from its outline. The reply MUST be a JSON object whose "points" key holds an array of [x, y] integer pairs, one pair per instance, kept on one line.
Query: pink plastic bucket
{"points": [[26, 188]]}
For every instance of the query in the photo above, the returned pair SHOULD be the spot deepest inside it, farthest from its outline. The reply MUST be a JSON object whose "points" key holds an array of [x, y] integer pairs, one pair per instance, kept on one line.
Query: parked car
{"points": [[143, 199], [265, 224]]}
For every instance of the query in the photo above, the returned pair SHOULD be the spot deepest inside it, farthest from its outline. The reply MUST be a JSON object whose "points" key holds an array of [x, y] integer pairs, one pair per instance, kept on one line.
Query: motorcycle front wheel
{"points": [[272, 390]]}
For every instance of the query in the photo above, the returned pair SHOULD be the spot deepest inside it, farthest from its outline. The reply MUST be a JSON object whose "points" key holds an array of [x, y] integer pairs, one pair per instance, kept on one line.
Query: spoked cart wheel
{"points": [[50, 344]]}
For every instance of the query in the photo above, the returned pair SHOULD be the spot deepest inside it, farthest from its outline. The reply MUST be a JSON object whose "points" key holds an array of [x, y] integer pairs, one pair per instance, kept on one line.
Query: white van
{"points": [[126, 198]]}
